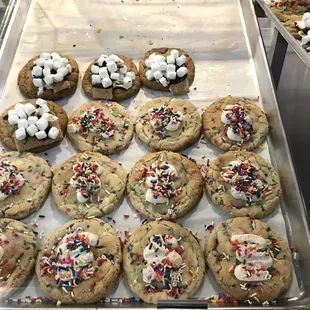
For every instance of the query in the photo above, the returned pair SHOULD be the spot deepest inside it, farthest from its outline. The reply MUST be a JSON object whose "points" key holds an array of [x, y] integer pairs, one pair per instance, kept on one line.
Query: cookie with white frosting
{"points": [[249, 260], [79, 262], [33, 125], [49, 76], [18, 251], [163, 261], [88, 184], [243, 184], [233, 123], [168, 124], [164, 185], [111, 77], [100, 126], [167, 69], [25, 182]]}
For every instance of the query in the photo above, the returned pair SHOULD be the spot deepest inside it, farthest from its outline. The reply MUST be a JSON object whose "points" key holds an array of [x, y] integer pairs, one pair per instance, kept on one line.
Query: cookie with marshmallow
{"points": [[49, 76], [111, 77], [167, 69], [34, 125]]}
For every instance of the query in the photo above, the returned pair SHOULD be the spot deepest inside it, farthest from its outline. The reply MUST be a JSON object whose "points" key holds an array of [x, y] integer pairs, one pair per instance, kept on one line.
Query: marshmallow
{"points": [[63, 62], [53, 133], [106, 82], [152, 57], [118, 59], [45, 55], [29, 108], [69, 68], [123, 69], [103, 72], [47, 116], [55, 56], [163, 81], [163, 66], [94, 69], [42, 123], [21, 113], [154, 67], [46, 71], [148, 63], [159, 59], [32, 120], [20, 133], [158, 75], [109, 58], [101, 60], [131, 75], [31, 130], [181, 60], [40, 62], [40, 91], [111, 65], [171, 68], [95, 79], [22, 123], [13, 120], [49, 79], [12, 112], [43, 109], [41, 135], [149, 75], [170, 59], [121, 77], [127, 82], [63, 71], [37, 71], [175, 53], [114, 76], [37, 82], [18, 106], [181, 72], [171, 75], [56, 65], [58, 77], [49, 64], [40, 102]]}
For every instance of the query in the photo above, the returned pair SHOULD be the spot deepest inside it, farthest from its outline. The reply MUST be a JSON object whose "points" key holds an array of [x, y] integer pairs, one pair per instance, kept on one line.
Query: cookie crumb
{"points": [[150, 42], [121, 37], [98, 30], [74, 45]]}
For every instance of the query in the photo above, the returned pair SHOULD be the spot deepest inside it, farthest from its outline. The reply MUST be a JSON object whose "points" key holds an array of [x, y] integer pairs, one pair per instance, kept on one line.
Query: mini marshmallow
{"points": [[148, 63], [40, 62], [48, 64], [53, 133], [114, 76], [18, 106], [21, 113], [118, 59], [42, 123], [63, 62], [170, 59], [40, 102], [45, 55], [95, 79], [37, 82], [13, 120], [29, 108], [152, 57], [175, 53], [22, 123], [46, 71], [149, 75], [181, 72], [163, 81], [43, 109], [163, 66], [32, 120], [171, 68], [159, 59], [94, 69], [101, 60], [131, 75], [109, 58], [121, 77], [41, 135], [40, 91], [49, 79], [158, 75], [37, 71], [181, 60], [56, 65], [47, 116], [111, 65], [55, 56], [31, 130], [127, 82], [123, 69], [103, 72], [20, 133], [63, 71], [12, 112], [69, 68], [171, 75], [154, 67], [106, 82]]}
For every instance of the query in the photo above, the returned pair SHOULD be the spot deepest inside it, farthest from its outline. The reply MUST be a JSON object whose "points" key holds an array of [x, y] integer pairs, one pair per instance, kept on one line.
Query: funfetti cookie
{"points": [[168, 124], [88, 184], [243, 184], [100, 126], [79, 262], [33, 125], [25, 182], [233, 123], [164, 185], [111, 77], [18, 251], [49, 76], [167, 69], [249, 260], [163, 261]]}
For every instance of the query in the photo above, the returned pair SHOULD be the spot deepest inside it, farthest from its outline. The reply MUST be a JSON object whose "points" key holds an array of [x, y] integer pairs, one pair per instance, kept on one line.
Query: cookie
{"points": [[100, 126], [25, 183], [88, 184], [233, 123], [163, 261], [167, 69], [79, 262], [243, 184], [112, 77], [168, 124], [249, 260], [33, 125], [49, 76], [164, 185]]}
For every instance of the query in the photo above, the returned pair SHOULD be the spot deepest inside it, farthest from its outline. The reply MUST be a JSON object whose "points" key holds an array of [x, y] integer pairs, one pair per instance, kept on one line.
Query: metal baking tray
{"points": [[223, 38]]}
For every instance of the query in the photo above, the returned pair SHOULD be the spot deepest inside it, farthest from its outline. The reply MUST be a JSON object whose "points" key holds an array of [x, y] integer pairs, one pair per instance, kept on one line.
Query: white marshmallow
{"points": [[42, 123], [29, 108], [171, 75], [131, 75], [95, 79], [41, 135], [152, 57], [111, 65], [55, 56], [109, 58], [94, 69], [37, 82], [20, 133], [171, 68], [18, 106], [49, 64], [181, 72], [69, 68], [114, 76], [56, 65], [31, 130], [127, 82], [106, 82], [121, 77], [163, 66], [46, 71], [101, 60], [158, 75], [103, 72], [148, 63], [53, 133], [123, 69], [49, 79], [47, 116], [32, 120], [163, 81], [154, 67], [63, 62], [149, 75], [22, 123], [41, 102], [170, 59], [12, 112], [58, 77], [37, 71], [13, 120], [118, 59], [21, 113], [40, 91], [175, 53], [63, 70], [43, 109], [181, 60], [40, 62], [159, 59], [45, 55]]}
